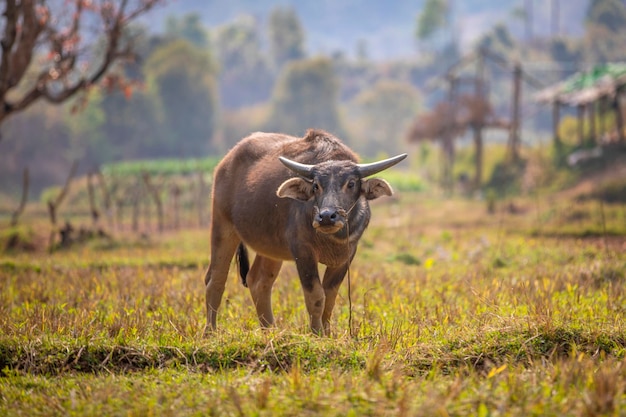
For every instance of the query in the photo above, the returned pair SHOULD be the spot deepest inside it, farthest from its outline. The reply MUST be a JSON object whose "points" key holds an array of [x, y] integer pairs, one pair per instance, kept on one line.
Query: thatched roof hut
{"points": [[603, 83]]}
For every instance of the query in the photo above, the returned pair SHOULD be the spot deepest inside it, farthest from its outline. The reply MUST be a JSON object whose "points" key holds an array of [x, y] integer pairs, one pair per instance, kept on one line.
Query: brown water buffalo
{"points": [[287, 198]]}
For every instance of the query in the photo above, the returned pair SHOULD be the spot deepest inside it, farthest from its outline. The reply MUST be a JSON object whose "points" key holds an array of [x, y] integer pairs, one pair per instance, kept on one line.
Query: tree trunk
{"points": [[20, 209], [53, 206], [581, 124], [478, 157], [95, 214], [447, 144], [108, 201], [175, 193]]}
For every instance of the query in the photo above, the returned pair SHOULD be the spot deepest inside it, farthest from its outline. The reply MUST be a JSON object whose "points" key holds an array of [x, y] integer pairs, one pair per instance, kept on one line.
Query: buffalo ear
{"points": [[375, 187], [296, 188]]}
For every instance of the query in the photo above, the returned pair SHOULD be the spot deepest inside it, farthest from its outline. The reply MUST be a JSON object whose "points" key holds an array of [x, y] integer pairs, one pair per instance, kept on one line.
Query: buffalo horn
{"points": [[370, 169], [297, 167], [364, 169]]}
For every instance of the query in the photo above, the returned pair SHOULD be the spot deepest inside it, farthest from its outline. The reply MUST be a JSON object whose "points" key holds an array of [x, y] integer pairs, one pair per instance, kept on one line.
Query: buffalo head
{"points": [[335, 188]]}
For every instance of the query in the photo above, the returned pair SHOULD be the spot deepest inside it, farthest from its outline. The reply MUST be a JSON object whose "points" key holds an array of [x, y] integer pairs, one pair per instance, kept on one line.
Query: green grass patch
{"points": [[167, 167]]}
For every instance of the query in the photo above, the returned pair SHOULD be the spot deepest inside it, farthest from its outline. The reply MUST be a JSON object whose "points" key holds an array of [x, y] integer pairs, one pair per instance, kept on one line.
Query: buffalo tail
{"points": [[243, 263]]}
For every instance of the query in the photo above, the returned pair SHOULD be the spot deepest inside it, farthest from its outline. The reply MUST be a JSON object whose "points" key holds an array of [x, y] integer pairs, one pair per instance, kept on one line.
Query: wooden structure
{"points": [[599, 89], [453, 117]]}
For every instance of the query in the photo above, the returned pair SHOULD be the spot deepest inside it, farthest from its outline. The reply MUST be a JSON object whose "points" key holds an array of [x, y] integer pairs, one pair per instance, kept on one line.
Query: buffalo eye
{"points": [[351, 184], [316, 187]]}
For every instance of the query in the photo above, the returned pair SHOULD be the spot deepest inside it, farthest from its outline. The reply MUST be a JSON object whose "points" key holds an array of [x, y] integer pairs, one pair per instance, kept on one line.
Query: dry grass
{"points": [[453, 313]]}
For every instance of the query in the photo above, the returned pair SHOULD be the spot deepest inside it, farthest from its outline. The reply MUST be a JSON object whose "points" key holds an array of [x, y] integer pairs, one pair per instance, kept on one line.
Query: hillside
{"points": [[387, 27]]}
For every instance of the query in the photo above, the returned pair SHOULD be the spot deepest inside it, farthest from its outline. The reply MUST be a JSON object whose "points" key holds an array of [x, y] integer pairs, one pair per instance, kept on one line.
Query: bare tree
{"points": [[93, 209], [106, 196], [175, 192], [20, 209], [48, 47], [53, 206]]}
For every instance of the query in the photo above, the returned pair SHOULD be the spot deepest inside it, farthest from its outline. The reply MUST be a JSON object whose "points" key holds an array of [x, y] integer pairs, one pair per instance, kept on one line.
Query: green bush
{"points": [[404, 180]]}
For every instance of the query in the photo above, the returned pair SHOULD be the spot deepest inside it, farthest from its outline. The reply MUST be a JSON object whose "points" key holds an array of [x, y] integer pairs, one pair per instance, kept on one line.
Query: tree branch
{"points": [[29, 23]]}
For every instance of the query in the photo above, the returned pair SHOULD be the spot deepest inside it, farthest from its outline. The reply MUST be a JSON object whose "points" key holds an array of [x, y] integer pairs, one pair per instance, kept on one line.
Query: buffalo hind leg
{"points": [[224, 242], [333, 277], [260, 281]]}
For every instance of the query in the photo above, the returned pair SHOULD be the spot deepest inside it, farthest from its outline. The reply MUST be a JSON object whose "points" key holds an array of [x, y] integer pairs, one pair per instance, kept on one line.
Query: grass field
{"points": [[449, 312]]}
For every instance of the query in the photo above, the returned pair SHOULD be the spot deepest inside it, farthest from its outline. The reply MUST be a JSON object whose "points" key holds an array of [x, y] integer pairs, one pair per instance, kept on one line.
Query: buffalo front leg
{"points": [[313, 292], [224, 241], [260, 281], [333, 277]]}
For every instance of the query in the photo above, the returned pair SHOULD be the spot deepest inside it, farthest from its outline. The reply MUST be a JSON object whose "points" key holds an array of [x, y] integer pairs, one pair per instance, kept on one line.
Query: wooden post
{"points": [[201, 195], [147, 213], [136, 201], [602, 104], [581, 124], [119, 213], [515, 113], [175, 192], [556, 110], [592, 121], [156, 197], [478, 124], [448, 139], [619, 117], [478, 147]]}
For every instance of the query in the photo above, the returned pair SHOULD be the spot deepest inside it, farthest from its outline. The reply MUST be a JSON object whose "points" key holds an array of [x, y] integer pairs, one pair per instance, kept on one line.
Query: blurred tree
{"points": [[188, 27], [119, 124], [605, 31], [305, 97], [608, 13], [498, 40], [432, 19], [245, 77], [286, 36], [383, 113], [182, 78], [133, 128], [51, 42], [435, 28]]}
